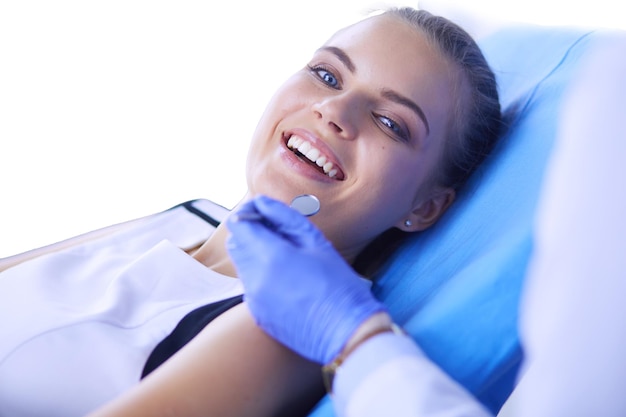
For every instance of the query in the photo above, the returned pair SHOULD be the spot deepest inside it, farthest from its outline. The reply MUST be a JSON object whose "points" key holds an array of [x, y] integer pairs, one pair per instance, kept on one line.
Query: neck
{"points": [[213, 253]]}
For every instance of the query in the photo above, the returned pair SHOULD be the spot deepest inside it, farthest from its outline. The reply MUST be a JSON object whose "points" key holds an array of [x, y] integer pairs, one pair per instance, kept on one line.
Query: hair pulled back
{"points": [[475, 123], [476, 120]]}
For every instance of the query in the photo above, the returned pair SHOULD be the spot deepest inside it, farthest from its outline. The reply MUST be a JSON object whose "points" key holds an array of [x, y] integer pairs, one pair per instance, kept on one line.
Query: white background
{"points": [[111, 110]]}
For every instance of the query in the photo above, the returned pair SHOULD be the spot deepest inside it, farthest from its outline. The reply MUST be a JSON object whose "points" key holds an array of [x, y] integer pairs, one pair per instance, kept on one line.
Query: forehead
{"points": [[389, 42], [390, 54], [381, 26]]}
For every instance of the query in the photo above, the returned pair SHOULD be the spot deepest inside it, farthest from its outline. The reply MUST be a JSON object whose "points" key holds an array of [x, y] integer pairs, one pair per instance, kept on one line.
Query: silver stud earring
{"points": [[408, 223]]}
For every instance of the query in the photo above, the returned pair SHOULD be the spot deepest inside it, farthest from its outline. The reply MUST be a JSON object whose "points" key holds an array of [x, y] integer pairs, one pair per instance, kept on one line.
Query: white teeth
{"points": [[313, 154], [304, 148], [294, 142]]}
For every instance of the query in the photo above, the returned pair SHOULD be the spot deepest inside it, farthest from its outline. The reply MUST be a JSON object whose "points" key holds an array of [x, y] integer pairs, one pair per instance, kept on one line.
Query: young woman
{"points": [[383, 124]]}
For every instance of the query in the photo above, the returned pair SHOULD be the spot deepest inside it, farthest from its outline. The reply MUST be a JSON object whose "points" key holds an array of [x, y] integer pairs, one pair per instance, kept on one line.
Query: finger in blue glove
{"points": [[298, 287]]}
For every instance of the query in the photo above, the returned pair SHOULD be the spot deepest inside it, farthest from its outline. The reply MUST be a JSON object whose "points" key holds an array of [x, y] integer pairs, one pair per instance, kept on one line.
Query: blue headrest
{"points": [[456, 287]]}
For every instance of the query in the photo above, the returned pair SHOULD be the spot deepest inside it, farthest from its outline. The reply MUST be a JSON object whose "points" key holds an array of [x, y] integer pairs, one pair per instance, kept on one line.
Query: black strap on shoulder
{"points": [[188, 205], [190, 208], [187, 329]]}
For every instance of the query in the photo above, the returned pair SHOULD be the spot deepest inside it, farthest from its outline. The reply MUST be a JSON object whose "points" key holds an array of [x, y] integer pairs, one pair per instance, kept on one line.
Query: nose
{"points": [[338, 114]]}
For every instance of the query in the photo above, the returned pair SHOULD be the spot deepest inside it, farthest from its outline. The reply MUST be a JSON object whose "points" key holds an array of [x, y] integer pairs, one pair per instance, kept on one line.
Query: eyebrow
{"points": [[404, 101], [386, 93], [342, 56]]}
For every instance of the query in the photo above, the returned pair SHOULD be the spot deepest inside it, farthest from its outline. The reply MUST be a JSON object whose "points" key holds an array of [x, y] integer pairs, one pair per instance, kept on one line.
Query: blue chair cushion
{"points": [[456, 287]]}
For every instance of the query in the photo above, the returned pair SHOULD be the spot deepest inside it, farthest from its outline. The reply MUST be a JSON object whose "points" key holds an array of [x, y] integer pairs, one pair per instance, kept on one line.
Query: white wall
{"points": [[111, 110]]}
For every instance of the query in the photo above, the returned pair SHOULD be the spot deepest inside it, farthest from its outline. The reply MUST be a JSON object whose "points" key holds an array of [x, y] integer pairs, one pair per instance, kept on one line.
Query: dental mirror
{"points": [[306, 204]]}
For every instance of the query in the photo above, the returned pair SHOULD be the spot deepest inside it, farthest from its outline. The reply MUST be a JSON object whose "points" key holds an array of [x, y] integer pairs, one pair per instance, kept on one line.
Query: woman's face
{"points": [[362, 127]]}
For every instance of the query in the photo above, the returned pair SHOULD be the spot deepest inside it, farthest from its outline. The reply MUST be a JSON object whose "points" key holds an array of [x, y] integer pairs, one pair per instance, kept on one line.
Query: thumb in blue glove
{"points": [[297, 286]]}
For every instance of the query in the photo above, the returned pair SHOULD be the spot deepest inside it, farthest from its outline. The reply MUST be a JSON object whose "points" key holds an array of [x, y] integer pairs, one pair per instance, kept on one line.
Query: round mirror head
{"points": [[306, 204]]}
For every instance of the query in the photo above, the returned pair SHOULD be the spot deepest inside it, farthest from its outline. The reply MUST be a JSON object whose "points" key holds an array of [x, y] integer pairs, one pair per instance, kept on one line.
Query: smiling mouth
{"points": [[314, 157]]}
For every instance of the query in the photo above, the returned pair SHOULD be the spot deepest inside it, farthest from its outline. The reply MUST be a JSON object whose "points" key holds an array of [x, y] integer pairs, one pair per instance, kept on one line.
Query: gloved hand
{"points": [[297, 286]]}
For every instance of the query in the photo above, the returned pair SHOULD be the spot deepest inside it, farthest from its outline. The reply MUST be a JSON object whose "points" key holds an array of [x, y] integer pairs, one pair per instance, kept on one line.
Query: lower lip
{"points": [[298, 164]]}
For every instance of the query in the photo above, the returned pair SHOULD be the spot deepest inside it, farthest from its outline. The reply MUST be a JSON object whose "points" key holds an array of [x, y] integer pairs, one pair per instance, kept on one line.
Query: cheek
{"points": [[275, 111], [285, 102], [289, 96], [392, 186], [383, 199], [395, 175], [284, 105]]}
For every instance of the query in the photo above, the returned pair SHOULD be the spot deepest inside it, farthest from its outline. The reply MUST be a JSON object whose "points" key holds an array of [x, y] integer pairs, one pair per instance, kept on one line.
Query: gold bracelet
{"points": [[329, 370]]}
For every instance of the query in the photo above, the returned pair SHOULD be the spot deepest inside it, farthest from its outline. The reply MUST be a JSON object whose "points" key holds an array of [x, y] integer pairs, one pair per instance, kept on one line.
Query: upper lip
{"points": [[321, 146]]}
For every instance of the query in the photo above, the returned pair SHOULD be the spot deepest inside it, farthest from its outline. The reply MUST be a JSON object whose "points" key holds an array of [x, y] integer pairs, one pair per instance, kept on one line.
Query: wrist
{"points": [[376, 324]]}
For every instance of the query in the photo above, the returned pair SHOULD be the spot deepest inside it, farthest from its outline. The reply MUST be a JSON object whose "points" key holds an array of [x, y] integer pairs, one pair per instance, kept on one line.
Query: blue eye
{"points": [[393, 126], [326, 76]]}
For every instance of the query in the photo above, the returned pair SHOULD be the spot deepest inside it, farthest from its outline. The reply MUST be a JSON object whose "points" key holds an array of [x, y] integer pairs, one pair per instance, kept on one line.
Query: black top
{"points": [[186, 330]]}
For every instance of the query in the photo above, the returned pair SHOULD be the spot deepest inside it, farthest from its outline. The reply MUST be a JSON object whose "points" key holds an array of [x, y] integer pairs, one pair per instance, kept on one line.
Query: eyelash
{"points": [[317, 69], [396, 129]]}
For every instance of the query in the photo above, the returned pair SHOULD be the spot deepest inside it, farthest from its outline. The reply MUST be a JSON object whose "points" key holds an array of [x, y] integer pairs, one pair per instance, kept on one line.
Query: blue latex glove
{"points": [[297, 286]]}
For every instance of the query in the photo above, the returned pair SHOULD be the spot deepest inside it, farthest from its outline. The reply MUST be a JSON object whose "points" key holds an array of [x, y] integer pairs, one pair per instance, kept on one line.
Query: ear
{"points": [[428, 211]]}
